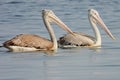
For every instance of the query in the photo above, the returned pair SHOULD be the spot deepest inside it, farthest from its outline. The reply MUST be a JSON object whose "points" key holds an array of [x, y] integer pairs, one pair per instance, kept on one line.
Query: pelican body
{"points": [[30, 42], [84, 40]]}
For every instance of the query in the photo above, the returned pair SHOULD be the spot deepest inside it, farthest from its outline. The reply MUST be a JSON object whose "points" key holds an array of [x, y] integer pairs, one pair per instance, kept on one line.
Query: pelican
{"points": [[84, 40], [30, 42]]}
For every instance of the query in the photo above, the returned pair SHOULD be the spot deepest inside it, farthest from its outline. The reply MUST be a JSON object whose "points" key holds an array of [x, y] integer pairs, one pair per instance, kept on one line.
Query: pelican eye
{"points": [[95, 13]]}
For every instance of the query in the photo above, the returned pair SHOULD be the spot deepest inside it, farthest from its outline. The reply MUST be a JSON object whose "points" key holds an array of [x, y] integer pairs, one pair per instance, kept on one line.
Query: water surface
{"points": [[22, 16]]}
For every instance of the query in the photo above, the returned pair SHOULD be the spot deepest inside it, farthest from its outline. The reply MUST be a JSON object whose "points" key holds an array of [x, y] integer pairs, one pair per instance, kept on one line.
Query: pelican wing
{"points": [[29, 40], [79, 39], [86, 35]]}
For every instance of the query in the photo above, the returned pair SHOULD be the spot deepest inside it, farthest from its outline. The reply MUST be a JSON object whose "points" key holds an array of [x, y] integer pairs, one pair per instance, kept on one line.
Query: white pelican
{"points": [[29, 42], [81, 39]]}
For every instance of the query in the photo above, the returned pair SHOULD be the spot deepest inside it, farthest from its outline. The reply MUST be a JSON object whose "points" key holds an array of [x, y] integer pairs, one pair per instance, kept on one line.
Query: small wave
{"points": [[115, 65], [15, 2]]}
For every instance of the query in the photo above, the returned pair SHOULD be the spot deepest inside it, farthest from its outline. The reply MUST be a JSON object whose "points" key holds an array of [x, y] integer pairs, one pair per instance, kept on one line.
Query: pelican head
{"points": [[96, 19], [51, 17]]}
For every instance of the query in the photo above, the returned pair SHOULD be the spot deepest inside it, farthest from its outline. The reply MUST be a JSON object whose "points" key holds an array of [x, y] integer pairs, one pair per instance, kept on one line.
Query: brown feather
{"points": [[29, 40]]}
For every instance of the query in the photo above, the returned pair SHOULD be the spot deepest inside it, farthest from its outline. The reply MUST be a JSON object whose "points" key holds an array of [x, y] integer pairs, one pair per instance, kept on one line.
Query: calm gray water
{"points": [[24, 16]]}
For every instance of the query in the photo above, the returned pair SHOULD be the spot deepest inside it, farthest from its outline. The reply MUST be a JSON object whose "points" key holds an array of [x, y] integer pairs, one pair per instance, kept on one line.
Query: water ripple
{"points": [[24, 16], [15, 2]]}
